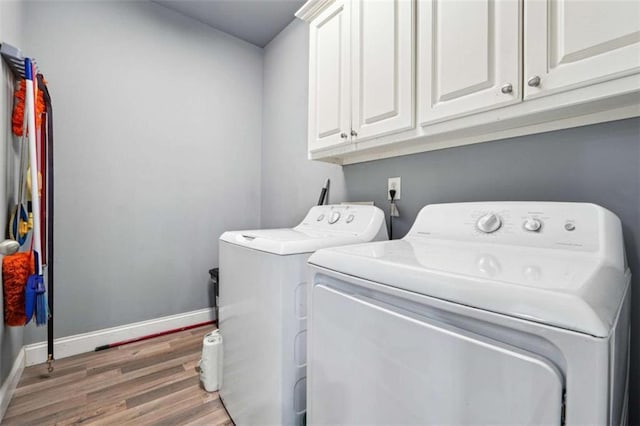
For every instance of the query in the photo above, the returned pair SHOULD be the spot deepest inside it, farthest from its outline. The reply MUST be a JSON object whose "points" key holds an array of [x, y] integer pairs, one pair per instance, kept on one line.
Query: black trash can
{"points": [[214, 273]]}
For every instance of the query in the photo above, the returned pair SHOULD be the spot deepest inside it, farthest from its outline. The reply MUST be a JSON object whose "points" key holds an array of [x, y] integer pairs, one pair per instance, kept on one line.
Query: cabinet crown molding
{"points": [[311, 9]]}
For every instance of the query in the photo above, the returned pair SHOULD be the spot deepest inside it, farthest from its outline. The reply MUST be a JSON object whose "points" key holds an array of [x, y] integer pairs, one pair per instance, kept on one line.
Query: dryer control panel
{"points": [[571, 226]]}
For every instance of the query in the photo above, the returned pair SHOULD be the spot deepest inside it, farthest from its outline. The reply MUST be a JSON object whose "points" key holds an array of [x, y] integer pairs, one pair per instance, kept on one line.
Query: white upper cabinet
{"points": [[468, 57], [395, 77], [329, 88], [382, 45], [575, 43], [360, 71]]}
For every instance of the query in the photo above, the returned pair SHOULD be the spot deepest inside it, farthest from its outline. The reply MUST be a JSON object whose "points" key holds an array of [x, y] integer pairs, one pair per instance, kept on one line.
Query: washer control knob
{"points": [[532, 224], [320, 217], [335, 216], [350, 218], [489, 223], [569, 226]]}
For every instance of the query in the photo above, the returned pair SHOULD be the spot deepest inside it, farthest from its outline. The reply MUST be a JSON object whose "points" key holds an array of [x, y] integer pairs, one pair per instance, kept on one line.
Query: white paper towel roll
{"points": [[211, 362]]}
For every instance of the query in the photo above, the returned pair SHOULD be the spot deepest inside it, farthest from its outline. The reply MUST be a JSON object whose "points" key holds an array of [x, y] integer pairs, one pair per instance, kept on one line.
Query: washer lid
{"points": [[288, 241], [323, 226], [578, 288]]}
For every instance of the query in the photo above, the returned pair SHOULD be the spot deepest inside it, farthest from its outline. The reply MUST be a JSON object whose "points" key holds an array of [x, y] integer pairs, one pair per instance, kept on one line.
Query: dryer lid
{"points": [[323, 226], [577, 287]]}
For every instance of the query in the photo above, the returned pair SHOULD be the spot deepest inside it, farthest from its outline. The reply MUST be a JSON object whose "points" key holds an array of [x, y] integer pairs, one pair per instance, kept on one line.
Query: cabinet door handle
{"points": [[343, 135], [354, 133], [534, 81], [507, 88]]}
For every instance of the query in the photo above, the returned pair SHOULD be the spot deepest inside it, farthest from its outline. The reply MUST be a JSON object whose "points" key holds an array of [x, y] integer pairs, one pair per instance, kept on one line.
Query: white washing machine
{"points": [[512, 313], [263, 295]]}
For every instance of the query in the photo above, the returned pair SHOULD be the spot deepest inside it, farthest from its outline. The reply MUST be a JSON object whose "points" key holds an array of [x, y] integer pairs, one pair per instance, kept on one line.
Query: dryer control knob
{"points": [[335, 216], [489, 223], [532, 224]]}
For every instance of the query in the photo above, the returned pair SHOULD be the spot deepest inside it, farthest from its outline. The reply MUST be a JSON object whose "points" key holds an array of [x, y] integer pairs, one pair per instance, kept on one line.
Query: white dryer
{"points": [[263, 295], [485, 313]]}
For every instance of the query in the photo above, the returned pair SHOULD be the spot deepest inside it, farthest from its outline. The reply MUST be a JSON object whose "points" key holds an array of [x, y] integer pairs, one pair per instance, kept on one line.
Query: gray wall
{"points": [[11, 19], [158, 150], [290, 183], [598, 164]]}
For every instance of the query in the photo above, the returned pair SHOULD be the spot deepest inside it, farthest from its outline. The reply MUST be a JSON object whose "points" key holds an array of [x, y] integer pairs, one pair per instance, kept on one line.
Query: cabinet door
{"points": [[329, 102], [574, 43], [468, 57], [382, 51]]}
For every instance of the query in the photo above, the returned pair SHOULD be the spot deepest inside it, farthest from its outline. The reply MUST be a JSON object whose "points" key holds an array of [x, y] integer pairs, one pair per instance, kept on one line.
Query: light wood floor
{"points": [[150, 382]]}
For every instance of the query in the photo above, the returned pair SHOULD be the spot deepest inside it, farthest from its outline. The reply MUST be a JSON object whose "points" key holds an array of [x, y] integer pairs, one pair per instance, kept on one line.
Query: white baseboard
{"points": [[87, 342], [11, 382]]}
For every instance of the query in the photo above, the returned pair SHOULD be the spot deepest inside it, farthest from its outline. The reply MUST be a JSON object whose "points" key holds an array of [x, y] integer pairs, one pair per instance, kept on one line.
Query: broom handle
{"points": [[23, 160], [33, 161], [49, 200]]}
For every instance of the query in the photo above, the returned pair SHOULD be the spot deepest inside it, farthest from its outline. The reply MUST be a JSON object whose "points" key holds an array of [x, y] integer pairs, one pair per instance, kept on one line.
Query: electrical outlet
{"points": [[394, 183]]}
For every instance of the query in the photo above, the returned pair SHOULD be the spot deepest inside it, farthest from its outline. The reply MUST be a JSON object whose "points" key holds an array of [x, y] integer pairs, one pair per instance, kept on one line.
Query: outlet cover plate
{"points": [[394, 183]]}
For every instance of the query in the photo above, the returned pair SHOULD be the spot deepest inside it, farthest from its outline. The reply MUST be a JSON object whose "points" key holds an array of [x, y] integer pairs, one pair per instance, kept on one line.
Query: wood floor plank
{"points": [[141, 388], [113, 355], [161, 391], [187, 341], [163, 405], [210, 396], [35, 401], [93, 414], [171, 354], [36, 375], [140, 359], [93, 409], [201, 331], [217, 417], [150, 382], [43, 382], [121, 387], [191, 364], [175, 405], [192, 413], [81, 359], [179, 360], [49, 412]]}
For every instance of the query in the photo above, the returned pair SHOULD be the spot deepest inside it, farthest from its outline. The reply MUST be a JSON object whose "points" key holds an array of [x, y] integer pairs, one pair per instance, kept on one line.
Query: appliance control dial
{"points": [[532, 224], [350, 218], [489, 223], [320, 217], [335, 216]]}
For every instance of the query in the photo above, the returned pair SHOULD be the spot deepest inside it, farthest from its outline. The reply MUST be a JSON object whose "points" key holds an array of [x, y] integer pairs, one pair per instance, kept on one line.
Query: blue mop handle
{"points": [[28, 73]]}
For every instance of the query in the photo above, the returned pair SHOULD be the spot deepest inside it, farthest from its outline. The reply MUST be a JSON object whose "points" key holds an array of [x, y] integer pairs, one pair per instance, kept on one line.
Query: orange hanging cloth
{"points": [[16, 268], [17, 118], [40, 106]]}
